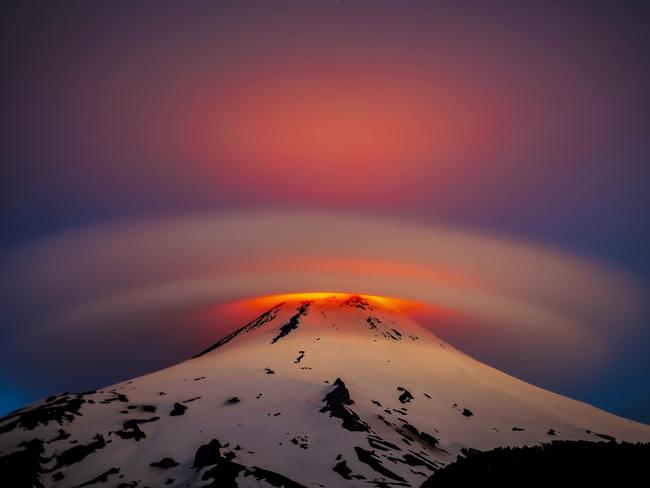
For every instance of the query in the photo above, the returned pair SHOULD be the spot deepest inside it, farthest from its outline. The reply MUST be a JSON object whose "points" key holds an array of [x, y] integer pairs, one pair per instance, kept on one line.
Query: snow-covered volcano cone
{"points": [[334, 391]]}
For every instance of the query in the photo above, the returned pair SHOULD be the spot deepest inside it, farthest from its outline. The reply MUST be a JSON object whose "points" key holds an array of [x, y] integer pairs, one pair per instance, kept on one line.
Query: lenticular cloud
{"points": [[112, 279]]}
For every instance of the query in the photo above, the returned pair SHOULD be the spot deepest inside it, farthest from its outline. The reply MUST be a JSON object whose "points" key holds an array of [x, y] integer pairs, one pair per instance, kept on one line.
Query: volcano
{"points": [[333, 391]]}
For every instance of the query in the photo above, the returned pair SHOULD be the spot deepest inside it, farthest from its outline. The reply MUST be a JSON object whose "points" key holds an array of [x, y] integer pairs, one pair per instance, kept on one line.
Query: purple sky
{"points": [[521, 119]]}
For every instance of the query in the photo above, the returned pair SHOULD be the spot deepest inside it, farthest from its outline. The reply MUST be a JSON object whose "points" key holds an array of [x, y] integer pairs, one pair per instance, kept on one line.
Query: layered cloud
{"points": [[121, 283]]}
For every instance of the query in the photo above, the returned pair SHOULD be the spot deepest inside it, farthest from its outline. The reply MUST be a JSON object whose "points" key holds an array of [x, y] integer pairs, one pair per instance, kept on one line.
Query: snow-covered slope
{"points": [[338, 391]]}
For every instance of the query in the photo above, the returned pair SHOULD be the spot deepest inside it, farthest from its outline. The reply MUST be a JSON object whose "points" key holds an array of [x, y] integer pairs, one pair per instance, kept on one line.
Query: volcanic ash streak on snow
{"points": [[113, 279]]}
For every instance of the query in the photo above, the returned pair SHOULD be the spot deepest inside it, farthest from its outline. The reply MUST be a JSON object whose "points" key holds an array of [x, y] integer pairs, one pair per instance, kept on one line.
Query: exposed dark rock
{"points": [[193, 399], [381, 444], [467, 412], [224, 471], [371, 459], [207, 454], [606, 437], [340, 394], [429, 439], [301, 354], [550, 432], [102, 478], [61, 436], [62, 409], [300, 441], [342, 469], [421, 460], [373, 322], [78, 453], [259, 321], [406, 396], [293, 322], [356, 301], [388, 335], [179, 409], [409, 428], [269, 371], [22, 469], [415, 460], [423, 437], [118, 397], [223, 474], [131, 428], [233, 401], [383, 419], [273, 479], [337, 403], [410, 433], [517, 429], [164, 463]]}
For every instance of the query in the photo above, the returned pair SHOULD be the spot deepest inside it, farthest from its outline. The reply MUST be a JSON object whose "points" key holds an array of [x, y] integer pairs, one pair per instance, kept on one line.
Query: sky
{"points": [[521, 123]]}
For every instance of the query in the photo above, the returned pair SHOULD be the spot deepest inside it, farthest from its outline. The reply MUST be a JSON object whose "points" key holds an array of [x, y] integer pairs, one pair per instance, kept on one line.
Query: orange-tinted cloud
{"points": [[521, 300], [324, 133]]}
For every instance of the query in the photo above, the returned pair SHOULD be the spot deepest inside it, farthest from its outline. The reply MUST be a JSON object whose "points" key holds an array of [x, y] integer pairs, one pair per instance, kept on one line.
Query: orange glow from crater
{"points": [[396, 304]]}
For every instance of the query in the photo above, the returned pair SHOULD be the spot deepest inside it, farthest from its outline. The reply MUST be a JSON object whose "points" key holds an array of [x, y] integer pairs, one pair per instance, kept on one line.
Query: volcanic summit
{"points": [[331, 391]]}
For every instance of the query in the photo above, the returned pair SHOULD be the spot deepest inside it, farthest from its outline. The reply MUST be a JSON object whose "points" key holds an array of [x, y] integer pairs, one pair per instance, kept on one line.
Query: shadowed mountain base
{"points": [[581, 462]]}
